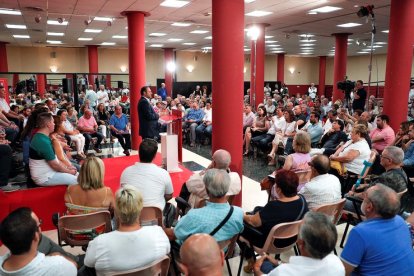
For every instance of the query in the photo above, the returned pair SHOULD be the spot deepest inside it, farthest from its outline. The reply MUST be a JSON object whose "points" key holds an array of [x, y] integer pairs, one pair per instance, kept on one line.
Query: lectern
{"points": [[171, 141]]}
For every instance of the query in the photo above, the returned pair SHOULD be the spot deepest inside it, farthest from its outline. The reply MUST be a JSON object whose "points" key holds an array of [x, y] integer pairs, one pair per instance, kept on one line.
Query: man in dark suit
{"points": [[148, 119]]}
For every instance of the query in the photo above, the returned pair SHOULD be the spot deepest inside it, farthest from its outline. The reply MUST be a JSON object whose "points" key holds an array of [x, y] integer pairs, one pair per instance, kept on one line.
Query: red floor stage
{"points": [[48, 200]]}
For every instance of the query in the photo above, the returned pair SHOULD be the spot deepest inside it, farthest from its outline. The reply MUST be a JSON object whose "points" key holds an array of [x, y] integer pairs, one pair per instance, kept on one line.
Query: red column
{"points": [[341, 46], [3, 58], [228, 63], [257, 75], [399, 60], [15, 80], [93, 63], [108, 81], [168, 57], [136, 54], [281, 68], [252, 72], [322, 73], [41, 84]]}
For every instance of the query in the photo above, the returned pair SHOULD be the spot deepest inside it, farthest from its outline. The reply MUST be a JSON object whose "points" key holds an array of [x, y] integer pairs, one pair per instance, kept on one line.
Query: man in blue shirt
{"points": [[191, 120], [409, 148], [162, 92], [120, 129], [314, 129], [381, 245]]}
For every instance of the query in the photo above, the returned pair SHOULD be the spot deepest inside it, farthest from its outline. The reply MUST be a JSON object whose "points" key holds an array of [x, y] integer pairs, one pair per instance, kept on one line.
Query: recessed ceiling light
{"points": [[307, 44], [174, 3], [106, 19], [380, 43], [85, 38], [13, 26], [108, 43], [349, 25], [246, 49], [208, 37], [55, 22], [277, 49], [386, 31], [307, 48], [119, 36], [311, 40], [350, 39], [92, 31], [258, 13], [248, 1], [157, 45], [189, 43], [207, 48], [377, 46], [54, 41], [305, 53], [270, 41], [325, 9], [362, 52], [156, 34], [269, 36], [21, 36], [306, 35], [199, 32], [181, 24], [274, 45], [126, 28], [55, 34], [278, 52], [175, 39], [10, 12]]}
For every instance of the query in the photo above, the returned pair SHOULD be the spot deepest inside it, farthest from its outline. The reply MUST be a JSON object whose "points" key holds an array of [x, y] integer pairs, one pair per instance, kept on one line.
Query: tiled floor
{"points": [[197, 159]]}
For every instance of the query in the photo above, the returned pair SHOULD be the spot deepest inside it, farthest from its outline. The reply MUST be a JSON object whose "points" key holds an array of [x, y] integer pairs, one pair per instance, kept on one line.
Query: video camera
{"points": [[347, 86]]}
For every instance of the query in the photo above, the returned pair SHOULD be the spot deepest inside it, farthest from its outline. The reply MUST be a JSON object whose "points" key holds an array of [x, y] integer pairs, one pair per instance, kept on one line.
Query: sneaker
{"points": [[9, 188]]}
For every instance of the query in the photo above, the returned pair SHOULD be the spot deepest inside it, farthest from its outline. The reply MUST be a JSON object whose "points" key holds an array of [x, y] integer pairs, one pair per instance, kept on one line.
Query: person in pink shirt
{"points": [[248, 117], [89, 128], [383, 135]]}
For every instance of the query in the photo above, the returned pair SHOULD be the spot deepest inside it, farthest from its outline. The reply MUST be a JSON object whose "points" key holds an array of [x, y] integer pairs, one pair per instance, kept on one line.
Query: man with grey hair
{"points": [[221, 159], [217, 210], [380, 245], [316, 241]]}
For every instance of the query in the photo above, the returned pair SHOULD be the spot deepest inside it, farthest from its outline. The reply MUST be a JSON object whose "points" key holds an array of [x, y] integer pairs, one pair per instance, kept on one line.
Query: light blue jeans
{"points": [[61, 179]]}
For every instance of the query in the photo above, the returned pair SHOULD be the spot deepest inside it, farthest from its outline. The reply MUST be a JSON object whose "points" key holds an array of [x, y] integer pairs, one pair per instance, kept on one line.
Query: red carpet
{"points": [[48, 200]]}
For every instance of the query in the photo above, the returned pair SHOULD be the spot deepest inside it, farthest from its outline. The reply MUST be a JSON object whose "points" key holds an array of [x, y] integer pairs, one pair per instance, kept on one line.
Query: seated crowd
{"points": [[321, 148]]}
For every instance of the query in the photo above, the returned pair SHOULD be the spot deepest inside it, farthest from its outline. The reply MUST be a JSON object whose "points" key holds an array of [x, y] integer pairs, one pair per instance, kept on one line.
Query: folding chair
{"points": [[158, 267], [151, 215]]}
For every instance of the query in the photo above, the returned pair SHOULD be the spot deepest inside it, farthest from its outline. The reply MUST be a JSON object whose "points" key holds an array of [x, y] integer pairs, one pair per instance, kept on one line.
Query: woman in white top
{"points": [[288, 130], [131, 245], [74, 134], [354, 152]]}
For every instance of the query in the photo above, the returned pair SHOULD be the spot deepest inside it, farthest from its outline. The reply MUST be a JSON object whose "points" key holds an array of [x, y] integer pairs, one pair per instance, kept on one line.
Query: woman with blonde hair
{"points": [[90, 194], [117, 251]]}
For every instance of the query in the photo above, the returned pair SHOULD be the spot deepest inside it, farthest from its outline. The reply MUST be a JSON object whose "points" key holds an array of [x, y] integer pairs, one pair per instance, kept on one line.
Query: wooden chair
{"points": [[158, 267], [79, 230], [281, 231], [151, 215]]}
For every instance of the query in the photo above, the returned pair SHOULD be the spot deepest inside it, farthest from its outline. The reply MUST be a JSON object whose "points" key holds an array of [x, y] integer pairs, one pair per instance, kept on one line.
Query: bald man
{"points": [[201, 255]]}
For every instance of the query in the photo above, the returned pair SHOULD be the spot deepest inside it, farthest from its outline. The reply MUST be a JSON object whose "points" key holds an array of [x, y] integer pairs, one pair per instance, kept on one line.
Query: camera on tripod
{"points": [[346, 86]]}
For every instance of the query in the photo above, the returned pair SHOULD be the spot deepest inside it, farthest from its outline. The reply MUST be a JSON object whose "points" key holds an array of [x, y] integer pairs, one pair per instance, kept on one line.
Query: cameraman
{"points": [[360, 95]]}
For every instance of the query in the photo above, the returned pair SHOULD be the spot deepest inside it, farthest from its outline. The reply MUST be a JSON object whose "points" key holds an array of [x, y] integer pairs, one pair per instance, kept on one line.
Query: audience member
{"points": [[202, 256], [89, 128], [20, 233], [316, 241], [383, 135], [314, 129], [153, 182], [260, 126], [45, 169], [102, 118], [6, 154], [333, 138], [91, 96], [205, 129], [191, 120], [323, 188], [67, 129], [380, 245], [5, 108], [131, 245], [120, 129]]}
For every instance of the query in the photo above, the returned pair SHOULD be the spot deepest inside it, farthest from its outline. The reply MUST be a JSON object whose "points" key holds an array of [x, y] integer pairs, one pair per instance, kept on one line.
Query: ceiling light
{"points": [[274, 45], [21, 36], [248, 1], [87, 22], [307, 44], [123, 68], [119, 36], [253, 33], [307, 48], [246, 49], [157, 45], [385, 31], [199, 32], [171, 66], [175, 39], [305, 53], [60, 21], [189, 68], [109, 23], [189, 43], [207, 48], [362, 52], [270, 41], [13, 26], [208, 37], [258, 13], [108, 43], [349, 25], [92, 31], [54, 41], [306, 35], [311, 40], [350, 39], [53, 68], [269, 36], [38, 18], [278, 52], [325, 9], [377, 46], [55, 34], [174, 3], [85, 38], [380, 43], [10, 12], [156, 34], [106, 19], [181, 24]]}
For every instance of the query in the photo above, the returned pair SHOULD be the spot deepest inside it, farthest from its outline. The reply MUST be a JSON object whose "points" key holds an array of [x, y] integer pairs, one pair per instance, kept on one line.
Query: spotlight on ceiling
{"points": [[87, 22], [38, 18], [109, 23], [60, 20], [365, 11]]}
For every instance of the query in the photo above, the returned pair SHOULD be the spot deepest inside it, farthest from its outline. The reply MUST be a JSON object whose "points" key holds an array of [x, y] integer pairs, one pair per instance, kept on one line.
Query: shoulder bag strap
{"points": [[223, 221], [303, 208]]}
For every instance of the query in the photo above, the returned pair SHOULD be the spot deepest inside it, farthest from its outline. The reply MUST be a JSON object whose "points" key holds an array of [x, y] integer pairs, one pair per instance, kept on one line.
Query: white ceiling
{"points": [[288, 19]]}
